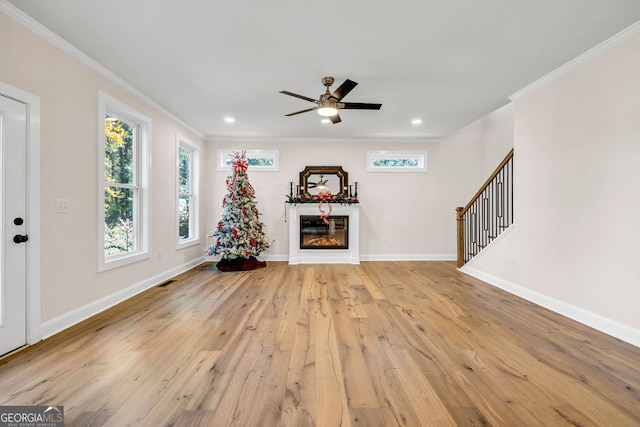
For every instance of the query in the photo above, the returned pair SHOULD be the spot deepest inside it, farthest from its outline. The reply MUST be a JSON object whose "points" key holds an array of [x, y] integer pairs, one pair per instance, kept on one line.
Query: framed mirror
{"points": [[314, 179]]}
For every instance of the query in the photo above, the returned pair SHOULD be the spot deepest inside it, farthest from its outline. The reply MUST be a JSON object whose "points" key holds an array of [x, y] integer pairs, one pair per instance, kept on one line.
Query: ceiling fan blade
{"points": [[335, 118], [306, 98], [360, 106], [301, 111], [342, 91]]}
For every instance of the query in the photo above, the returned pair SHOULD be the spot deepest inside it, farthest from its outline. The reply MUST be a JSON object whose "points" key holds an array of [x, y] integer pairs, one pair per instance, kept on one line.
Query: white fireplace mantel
{"points": [[324, 256]]}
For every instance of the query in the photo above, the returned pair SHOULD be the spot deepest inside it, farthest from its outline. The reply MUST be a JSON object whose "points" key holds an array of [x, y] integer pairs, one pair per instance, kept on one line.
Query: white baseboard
{"points": [[611, 327], [408, 257], [374, 257], [60, 323]]}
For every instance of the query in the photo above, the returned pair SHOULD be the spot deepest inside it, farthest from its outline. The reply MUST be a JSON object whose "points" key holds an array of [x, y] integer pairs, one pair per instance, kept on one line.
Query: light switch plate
{"points": [[63, 206]]}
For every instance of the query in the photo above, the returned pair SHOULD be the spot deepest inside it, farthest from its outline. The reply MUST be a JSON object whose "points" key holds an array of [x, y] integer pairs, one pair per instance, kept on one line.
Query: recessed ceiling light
{"points": [[416, 122], [229, 119]]}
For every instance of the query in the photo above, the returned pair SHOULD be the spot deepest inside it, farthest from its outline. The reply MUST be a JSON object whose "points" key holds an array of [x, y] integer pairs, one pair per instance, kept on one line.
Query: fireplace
{"points": [[311, 241], [316, 234]]}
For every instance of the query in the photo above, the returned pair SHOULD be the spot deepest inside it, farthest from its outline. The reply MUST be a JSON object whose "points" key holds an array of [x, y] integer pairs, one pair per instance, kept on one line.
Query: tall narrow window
{"points": [[123, 193], [187, 179]]}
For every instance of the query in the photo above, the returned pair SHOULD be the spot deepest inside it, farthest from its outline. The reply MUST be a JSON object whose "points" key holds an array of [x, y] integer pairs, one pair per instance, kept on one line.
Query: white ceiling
{"points": [[448, 62]]}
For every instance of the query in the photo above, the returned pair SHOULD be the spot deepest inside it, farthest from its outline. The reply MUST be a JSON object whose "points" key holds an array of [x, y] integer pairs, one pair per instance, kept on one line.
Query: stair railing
{"points": [[488, 214]]}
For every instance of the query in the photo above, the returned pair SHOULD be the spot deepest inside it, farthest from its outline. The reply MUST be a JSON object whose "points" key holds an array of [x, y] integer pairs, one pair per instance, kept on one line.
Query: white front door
{"points": [[13, 224]]}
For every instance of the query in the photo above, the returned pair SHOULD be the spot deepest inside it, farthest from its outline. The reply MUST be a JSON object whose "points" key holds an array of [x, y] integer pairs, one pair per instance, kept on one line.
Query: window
{"points": [[258, 160], [396, 161], [123, 143], [187, 200]]}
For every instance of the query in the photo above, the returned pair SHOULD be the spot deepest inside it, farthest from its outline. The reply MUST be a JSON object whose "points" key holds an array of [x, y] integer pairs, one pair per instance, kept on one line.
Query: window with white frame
{"points": [[396, 161], [187, 190], [257, 160], [123, 163]]}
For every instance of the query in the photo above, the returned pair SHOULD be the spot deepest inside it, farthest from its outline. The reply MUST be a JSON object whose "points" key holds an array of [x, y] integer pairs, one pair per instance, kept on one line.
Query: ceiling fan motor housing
{"points": [[328, 100]]}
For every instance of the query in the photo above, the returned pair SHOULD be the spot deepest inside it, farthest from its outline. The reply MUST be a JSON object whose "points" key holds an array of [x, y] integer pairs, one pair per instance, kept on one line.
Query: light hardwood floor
{"points": [[379, 344]]}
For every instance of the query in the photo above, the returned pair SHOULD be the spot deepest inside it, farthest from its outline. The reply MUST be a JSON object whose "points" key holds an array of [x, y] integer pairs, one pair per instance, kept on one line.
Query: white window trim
{"points": [[194, 214], [420, 156], [225, 155], [143, 159]]}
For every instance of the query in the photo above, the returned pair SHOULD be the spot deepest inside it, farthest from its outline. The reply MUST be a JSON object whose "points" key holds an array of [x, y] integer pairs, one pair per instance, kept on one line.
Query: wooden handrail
{"points": [[461, 238], [488, 181]]}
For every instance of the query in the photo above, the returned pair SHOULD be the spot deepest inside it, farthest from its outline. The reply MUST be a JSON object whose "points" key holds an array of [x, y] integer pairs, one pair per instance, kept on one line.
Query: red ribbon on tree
{"points": [[238, 164], [324, 197]]}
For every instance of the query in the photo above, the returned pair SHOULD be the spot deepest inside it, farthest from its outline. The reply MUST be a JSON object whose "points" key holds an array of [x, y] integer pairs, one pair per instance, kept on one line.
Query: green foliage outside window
{"points": [[399, 162], [184, 178], [260, 161], [256, 161], [119, 178]]}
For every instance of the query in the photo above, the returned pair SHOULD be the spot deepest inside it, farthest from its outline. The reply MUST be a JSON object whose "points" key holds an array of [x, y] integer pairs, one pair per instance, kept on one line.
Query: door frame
{"points": [[34, 329]]}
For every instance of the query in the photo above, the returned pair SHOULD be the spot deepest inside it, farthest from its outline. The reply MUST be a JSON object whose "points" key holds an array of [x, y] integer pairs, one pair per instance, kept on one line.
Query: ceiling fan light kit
{"points": [[328, 104], [327, 111]]}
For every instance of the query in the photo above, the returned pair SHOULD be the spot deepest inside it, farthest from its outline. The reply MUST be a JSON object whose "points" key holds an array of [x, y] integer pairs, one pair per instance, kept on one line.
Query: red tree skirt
{"points": [[240, 264]]}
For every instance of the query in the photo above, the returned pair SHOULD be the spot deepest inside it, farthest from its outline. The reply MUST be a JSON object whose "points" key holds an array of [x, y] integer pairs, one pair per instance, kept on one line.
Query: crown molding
{"points": [[606, 45], [362, 140], [43, 32]]}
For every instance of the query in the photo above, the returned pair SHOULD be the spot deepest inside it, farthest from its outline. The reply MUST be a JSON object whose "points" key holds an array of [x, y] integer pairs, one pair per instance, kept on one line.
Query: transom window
{"points": [[396, 161]]}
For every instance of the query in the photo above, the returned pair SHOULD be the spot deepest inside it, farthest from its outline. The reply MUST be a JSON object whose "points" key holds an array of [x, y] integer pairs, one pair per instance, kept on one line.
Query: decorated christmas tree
{"points": [[239, 236]]}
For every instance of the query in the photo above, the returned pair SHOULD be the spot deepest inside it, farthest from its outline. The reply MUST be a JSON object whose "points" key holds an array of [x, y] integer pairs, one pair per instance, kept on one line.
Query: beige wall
{"points": [[576, 194], [69, 123]]}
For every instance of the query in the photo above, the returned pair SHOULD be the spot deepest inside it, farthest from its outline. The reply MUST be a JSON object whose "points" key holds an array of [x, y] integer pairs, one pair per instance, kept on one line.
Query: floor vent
{"points": [[167, 283]]}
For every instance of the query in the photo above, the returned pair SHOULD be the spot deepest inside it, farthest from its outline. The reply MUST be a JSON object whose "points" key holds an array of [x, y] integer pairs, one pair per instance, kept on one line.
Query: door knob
{"points": [[19, 238]]}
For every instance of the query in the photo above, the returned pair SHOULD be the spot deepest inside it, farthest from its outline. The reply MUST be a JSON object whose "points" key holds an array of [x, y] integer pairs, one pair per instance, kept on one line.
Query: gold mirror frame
{"points": [[314, 179]]}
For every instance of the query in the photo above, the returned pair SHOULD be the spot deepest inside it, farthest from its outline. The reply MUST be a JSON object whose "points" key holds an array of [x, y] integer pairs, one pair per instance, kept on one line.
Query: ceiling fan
{"points": [[329, 103]]}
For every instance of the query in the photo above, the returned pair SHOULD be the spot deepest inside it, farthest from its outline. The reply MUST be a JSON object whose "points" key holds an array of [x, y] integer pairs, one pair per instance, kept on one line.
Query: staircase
{"points": [[488, 214]]}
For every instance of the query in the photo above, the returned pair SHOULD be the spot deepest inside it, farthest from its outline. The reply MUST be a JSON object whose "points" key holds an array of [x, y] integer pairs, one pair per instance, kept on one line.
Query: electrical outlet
{"points": [[159, 254], [512, 261]]}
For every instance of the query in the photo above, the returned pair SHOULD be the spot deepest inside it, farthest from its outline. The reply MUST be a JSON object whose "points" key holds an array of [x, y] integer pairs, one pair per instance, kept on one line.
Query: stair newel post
{"points": [[460, 235]]}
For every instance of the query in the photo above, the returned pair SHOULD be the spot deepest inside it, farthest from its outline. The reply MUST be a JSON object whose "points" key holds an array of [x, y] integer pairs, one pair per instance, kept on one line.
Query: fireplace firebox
{"points": [[316, 234]]}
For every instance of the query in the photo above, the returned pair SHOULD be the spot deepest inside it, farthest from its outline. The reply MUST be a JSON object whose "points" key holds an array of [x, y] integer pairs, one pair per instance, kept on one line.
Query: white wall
{"points": [[495, 134], [414, 213], [71, 287], [576, 195]]}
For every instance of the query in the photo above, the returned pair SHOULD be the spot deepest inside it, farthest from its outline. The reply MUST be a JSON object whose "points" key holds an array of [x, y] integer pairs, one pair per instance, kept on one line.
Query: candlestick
{"points": [[291, 189], [356, 193], [350, 190]]}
